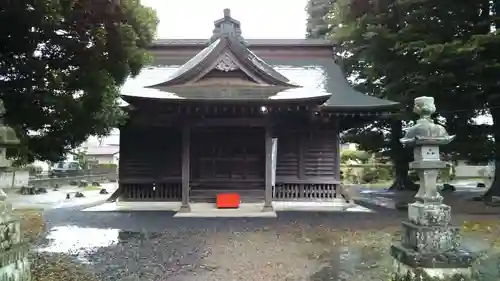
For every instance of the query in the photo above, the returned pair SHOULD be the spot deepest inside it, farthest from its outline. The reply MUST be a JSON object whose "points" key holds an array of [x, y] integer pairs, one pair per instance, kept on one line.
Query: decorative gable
{"points": [[226, 63]]}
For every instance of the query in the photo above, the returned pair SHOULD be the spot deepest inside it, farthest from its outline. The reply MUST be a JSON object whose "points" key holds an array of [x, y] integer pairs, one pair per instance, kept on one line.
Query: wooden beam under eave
{"points": [[232, 122]]}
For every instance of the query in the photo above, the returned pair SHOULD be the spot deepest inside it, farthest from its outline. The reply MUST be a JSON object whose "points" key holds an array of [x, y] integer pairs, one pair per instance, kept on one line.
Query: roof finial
{"points": [[227, 27]]}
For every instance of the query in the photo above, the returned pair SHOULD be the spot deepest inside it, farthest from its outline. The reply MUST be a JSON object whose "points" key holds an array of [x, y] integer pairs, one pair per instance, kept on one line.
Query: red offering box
{"points": [[227, 200]]}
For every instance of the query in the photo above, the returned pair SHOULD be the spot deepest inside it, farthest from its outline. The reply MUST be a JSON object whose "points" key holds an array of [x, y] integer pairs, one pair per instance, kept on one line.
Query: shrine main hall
{"points": [[260, 118]]}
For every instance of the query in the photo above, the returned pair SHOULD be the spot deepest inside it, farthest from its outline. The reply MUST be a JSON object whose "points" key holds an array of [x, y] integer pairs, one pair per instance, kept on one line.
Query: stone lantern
{"points": [[430, 245], [7, 138], [14, 263]]}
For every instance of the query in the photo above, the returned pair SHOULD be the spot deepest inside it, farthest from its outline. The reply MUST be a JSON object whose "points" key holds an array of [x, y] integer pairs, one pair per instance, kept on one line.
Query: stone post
{"points": [[430, 245], [14, 263]]}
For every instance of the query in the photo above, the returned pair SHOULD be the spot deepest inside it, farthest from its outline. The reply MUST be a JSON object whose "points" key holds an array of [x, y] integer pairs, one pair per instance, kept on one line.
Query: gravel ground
{"points": [[294, 247], [156, 246]]}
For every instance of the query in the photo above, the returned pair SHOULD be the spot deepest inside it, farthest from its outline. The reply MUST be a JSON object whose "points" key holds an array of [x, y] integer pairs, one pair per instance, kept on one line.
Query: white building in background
{"points": [[109, 154], [112, 140], [99, 148], [104, 150], [349, 146]]}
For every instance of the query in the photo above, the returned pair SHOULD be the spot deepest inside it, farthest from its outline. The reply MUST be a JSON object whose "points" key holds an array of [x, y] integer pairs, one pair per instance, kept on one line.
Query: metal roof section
{"points": [[227, 52], [316, 76]]}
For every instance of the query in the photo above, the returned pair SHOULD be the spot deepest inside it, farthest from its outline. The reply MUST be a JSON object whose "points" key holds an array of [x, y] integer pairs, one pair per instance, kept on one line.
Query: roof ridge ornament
{"points": [[227, 27]]}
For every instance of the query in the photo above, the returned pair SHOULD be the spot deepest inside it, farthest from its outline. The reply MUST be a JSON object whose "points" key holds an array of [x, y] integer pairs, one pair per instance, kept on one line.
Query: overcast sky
{"points": [[259, 18]]}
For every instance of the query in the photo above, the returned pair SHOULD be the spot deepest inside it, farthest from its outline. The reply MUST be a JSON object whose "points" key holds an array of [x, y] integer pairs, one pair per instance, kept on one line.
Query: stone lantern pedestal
{"points": [[430, 245], [14, 263]]}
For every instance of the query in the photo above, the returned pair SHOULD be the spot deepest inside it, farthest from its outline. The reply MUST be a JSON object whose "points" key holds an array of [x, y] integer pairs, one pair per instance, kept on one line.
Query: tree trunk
{"points": [[494, 190], [495, 114], [399, 159]]}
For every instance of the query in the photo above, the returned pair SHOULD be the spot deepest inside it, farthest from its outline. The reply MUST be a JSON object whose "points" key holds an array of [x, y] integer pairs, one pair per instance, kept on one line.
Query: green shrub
{"points": [[376, 174], [354, 155], [369, 176], [413, 176], [384, 173]]}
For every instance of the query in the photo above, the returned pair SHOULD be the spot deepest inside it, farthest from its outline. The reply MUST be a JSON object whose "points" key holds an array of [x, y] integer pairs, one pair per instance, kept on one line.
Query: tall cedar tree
{"points": [[400, 50], [317, 24], [62, 64], [484, 48]]}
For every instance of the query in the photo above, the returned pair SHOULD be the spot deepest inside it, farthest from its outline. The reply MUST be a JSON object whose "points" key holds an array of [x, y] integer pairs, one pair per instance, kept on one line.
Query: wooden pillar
{"points": [[186, 143], [337, 148], [268, 197], [301, 153], [336, 172]]}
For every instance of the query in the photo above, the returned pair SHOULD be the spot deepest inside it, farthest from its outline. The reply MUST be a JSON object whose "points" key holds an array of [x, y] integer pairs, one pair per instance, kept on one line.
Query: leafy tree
{"points": [[62, 64], [484, 49], [317, 24], [400, 50]]}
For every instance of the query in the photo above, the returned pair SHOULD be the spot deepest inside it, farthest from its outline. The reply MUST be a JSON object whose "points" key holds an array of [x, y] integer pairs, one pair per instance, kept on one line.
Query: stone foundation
{"points": [[430, 247], [403, 272], [14, 263], [422, 214], [452, 259]]}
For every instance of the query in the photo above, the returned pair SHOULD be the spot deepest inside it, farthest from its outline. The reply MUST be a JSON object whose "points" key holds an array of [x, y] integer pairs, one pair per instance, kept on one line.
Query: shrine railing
{"points": [[304, 191], [162, 191]]}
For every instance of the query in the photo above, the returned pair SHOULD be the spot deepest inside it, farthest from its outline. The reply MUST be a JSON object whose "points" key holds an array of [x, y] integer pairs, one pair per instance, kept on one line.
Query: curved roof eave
{"points": [[208, 55], [390, 106], [193, 66], [269, 101]]}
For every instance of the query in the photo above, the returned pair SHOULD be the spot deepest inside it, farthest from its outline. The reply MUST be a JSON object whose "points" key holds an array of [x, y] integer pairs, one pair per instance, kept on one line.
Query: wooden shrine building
{"points": [[203, 119]]}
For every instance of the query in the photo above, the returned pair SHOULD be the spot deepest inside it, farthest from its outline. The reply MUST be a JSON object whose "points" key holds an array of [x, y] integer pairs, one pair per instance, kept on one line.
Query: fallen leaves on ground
{"points": [[32, 223], [60, 267]]}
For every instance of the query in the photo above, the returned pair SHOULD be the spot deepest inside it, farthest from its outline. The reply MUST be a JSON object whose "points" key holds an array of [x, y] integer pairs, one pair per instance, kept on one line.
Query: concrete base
{"points": [[337, 205], [401, 271], [185, 209], [135, 206], [246, 210], [268, 208]]}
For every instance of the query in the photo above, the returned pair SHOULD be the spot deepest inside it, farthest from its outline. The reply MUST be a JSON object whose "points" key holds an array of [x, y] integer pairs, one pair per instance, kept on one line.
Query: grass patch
{"points": [[92, 187]]}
